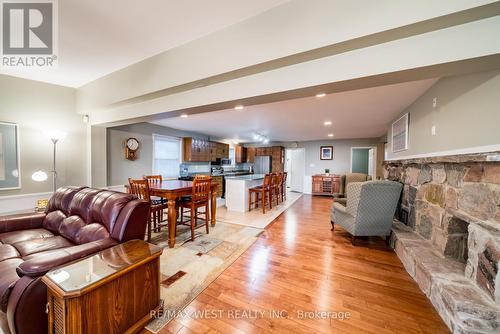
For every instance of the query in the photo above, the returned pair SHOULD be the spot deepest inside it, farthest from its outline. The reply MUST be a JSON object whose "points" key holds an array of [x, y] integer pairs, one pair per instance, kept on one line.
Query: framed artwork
{"points": [[326, 152], [400, 133], [10, 175]]}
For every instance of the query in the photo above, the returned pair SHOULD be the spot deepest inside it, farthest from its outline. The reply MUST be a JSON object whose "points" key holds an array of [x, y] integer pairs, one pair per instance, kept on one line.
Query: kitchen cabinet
{"points": [[218, 180], [325, 184], [200, 150], [250, 154], [240, 154], [278, 158]]}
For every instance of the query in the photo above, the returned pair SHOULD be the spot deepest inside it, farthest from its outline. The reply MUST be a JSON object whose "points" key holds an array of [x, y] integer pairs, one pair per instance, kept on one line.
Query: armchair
{"points": [[344, 182], [370, 208], [78, 222]]}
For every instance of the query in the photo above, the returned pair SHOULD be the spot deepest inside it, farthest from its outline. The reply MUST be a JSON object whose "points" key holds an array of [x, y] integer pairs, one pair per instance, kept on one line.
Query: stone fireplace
{"points": [[448, 235]]}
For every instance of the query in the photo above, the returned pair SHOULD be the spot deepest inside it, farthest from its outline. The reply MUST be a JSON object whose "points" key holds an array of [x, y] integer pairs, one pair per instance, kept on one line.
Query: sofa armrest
{"points": [[23, 221], [339, 207], [40, 265]]}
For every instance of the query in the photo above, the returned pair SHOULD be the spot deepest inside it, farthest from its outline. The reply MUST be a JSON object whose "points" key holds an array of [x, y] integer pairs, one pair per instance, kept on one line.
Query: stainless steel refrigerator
{"points": [[262, 165]]}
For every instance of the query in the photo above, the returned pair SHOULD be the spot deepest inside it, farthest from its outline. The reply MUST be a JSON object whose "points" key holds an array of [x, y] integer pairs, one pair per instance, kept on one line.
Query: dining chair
{"points": [[262, 194], [140, 188], [200, 197], [283, 189], [156, 180]]}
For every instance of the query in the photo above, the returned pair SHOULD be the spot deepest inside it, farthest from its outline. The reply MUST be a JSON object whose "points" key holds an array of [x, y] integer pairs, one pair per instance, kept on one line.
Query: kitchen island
{"points": [[237, 190]]}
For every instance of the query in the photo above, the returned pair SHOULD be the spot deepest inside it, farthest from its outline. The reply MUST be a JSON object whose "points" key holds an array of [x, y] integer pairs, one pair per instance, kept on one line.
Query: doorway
{"points": [[295, 163], [363, 160]]}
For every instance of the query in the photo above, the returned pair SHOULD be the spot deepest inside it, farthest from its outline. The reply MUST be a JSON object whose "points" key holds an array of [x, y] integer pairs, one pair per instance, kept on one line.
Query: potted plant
{"points": [[327, 171]]}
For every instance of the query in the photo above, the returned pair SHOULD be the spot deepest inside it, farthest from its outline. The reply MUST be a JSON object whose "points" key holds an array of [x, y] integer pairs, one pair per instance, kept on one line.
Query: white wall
{"points": [[467, 117], [36, 107]]}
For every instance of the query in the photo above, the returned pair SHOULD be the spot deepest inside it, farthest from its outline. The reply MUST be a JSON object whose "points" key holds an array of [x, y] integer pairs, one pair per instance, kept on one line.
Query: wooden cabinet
{"points": [[218, 181], [278, 158], [240, 154], [250, 154], [200, 150], [325, 184], [114, 291]]}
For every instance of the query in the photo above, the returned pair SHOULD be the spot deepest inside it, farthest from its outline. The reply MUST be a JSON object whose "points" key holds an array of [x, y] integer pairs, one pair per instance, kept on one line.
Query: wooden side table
{"points": [[113, 291]]}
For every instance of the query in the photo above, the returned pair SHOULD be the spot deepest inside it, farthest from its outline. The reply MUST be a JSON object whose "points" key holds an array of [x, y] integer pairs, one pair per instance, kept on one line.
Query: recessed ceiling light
{"points": [[327, 123], [184, 115], [266, 141], [238, 107], [330, 135], [320, 95]]}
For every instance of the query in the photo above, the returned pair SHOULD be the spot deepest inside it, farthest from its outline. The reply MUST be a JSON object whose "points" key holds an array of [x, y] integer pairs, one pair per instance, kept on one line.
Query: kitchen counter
{"points": [[237, 190], [246, 177]]}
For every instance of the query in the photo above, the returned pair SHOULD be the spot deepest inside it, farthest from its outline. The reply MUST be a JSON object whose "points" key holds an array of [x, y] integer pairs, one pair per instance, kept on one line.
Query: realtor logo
{"points": [[28, 33]]}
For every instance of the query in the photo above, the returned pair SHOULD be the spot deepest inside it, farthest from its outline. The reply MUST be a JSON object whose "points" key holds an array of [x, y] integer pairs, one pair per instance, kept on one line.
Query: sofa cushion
{"points": [[32, 246], [62, 198], [22, 235], [53, 221], [80, 205], [8, 252]]}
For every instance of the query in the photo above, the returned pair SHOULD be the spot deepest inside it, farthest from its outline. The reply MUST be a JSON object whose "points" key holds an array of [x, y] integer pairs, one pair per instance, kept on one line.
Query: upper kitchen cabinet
{"points": [[200, 150], [222, 151], [240, 154], [250, 154]]}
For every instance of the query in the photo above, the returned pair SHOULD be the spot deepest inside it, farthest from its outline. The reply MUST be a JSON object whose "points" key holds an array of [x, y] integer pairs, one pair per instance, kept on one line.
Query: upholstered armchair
{"points": [[344, 182], [370, 208]]}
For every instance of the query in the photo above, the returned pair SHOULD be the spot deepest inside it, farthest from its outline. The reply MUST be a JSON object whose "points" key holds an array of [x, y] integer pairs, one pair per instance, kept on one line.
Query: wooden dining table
{"points": [[172, 190]]}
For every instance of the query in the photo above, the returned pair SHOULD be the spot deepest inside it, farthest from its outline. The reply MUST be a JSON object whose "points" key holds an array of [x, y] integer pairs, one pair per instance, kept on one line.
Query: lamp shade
{"points": [[39, 176]]}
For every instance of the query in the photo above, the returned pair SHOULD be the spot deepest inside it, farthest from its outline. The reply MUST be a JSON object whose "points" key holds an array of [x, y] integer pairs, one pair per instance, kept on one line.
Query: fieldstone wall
{"points": [[450, 240]]}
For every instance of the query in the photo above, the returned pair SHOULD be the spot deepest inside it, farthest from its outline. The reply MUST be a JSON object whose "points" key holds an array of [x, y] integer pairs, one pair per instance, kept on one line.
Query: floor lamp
{"points": [[40, 176]]}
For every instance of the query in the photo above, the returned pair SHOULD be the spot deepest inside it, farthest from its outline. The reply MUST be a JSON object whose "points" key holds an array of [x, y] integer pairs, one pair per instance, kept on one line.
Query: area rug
{"points": [[189, 267], [255, 217]]}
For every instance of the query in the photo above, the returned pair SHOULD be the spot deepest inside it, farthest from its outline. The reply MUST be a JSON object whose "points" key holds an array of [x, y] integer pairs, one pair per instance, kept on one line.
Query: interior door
{"points": [[296, 170]]}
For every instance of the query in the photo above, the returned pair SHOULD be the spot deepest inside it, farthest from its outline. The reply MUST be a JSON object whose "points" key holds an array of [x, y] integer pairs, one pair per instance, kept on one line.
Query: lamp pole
{"points": [[53, 171]]}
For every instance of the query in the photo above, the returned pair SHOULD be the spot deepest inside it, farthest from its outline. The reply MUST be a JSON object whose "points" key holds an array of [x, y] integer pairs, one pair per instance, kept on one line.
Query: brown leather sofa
{"points": [[78, 221]]}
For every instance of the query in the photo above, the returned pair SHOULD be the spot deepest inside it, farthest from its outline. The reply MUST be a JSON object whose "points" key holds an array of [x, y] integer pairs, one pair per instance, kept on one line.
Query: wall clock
{"points": [[131, 148]]}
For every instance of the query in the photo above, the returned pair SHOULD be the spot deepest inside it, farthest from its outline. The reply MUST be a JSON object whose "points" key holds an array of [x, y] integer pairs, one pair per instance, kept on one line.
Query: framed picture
{"points": [[399, 132], [10, 170], [326, 152]]}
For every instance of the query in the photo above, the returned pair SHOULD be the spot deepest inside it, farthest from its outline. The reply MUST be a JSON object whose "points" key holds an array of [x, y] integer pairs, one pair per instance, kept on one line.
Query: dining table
{"points": [[172, 190]]}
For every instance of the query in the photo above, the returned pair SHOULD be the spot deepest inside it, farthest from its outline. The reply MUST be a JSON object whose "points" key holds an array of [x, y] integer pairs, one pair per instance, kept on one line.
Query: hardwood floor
{"points": [[298, 264]]}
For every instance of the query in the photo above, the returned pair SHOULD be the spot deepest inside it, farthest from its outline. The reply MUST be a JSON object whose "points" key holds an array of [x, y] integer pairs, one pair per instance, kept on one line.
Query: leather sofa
{"points": [[78, 222]]}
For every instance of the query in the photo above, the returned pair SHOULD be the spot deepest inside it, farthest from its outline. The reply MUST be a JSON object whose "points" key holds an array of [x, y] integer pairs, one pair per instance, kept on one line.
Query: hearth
{"points": [[450, 240]]}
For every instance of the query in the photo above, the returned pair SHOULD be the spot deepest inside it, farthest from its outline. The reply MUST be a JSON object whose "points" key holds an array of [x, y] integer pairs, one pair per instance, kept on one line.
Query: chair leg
{"points": [[182, 215], [388, 240], [333, 225], [207, 218], [193, 220], [263, 202], [353, 240], [149, 230], [249, 201]]}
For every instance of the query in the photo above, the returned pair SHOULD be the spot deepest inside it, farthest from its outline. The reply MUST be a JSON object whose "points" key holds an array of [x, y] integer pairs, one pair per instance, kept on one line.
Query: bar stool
{"points": [[263, 191], [200, 197], [278, 188], [140, 188]]}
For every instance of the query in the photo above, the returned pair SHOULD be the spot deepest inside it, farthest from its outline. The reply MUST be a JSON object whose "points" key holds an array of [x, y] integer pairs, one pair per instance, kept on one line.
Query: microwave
{"points": [[225, 162]]}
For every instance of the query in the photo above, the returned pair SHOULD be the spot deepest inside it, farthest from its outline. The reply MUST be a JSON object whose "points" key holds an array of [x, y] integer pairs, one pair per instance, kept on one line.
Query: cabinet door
{"points": [[187, 143], [251, 154], [317, 185], [213, 151]]}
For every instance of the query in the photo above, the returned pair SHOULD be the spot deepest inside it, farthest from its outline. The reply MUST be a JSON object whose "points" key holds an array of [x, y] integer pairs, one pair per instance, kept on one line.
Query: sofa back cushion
{"points": [[83, 215]]}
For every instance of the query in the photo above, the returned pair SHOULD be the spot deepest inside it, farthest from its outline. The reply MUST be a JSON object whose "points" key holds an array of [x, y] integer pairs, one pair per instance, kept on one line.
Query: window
{"points": [[400, 134], [166, 156]]}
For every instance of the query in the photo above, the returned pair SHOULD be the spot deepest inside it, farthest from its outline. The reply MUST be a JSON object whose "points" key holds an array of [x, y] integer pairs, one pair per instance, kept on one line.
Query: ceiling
{"points": [[98, 37], [364, 113]]}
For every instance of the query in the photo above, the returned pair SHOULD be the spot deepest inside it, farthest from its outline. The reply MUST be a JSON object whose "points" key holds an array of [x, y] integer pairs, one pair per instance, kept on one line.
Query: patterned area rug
{"points": [[191, 266]]}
